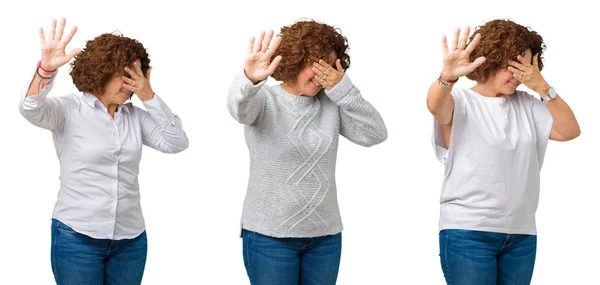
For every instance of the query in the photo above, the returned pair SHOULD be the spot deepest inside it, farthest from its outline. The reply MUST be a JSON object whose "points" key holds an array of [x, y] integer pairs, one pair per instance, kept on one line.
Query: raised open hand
{"points": [[53, 48], [258, 65], [456, 58]]}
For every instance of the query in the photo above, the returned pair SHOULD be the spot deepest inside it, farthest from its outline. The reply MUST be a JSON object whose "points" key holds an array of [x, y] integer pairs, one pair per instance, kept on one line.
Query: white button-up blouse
{"points": [[100, 156]]}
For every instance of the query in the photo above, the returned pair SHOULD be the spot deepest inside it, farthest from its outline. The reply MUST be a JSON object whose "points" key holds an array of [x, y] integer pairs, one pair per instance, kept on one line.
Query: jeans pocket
{"points": [[64, 228]]}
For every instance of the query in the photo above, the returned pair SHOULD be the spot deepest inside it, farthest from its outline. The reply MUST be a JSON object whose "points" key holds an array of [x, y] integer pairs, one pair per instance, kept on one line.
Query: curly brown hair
{"points": [[104, 57], [306, 42], [501, 41]]}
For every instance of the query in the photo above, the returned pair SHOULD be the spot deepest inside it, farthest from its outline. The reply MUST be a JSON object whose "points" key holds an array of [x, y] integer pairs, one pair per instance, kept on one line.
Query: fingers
{"points": [[319, 72], [131, 72], [274, 64], [321, 66], [473, 43], [444, 44], [465, 36], [516, 71], [148, 73], [267, 41], [326, 65], [70, 35], [478, 62], [455, 40], [128, 80], [258, 42], [137, 65], [61, 28], [251, 45], [133, 81], [517, 74], [517, 65], [326, 75], [129, 87], [52, 30], [522, 60], [338, 65], [42, 36], [322, 81], [273, 46], [73, 53]]}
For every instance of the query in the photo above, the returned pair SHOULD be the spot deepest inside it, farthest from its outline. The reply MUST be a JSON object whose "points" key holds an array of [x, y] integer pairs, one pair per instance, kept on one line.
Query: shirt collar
{"points": [[94, 102]]}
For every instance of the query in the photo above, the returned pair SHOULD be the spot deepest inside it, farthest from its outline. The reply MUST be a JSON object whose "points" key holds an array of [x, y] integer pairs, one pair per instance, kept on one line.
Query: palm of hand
{"points": [[458, 63], [257, 64], [53, 53]]}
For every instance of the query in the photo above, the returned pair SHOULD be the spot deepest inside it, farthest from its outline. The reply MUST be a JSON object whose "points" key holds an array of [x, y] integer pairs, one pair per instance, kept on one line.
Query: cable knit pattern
{"points": [[293, 142]]}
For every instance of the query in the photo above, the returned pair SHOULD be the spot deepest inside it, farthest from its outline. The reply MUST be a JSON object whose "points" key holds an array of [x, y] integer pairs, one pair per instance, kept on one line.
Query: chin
{"points": [[314, 92], [509, 90]]}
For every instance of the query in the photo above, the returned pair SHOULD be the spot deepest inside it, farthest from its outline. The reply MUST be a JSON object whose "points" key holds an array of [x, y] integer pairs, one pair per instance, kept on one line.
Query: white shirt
{"points": [[492, 168], [99, 157]]}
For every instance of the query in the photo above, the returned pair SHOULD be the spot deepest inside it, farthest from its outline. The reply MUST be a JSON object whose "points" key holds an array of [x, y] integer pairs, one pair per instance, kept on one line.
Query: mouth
{"points": [[126, 92], [313, 81]]}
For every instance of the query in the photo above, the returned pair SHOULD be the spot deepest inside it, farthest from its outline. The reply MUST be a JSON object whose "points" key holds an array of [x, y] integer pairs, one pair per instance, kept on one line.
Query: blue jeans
{"points": [[487, 258], [80, 259], [291, 261]]}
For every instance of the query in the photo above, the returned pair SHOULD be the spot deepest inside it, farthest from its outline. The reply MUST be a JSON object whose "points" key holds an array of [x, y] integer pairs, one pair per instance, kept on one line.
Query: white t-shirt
{"points": [[492, 168]]}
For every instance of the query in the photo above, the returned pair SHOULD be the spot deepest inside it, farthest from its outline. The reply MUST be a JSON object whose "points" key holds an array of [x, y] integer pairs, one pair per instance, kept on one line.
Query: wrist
{"points": [[446, 76], [46, 69], [542, 90], [146, 96], [445, 82], [253, 80]]}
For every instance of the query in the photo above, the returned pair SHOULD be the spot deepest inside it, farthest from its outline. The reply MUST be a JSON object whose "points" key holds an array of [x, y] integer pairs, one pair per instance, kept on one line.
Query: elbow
{"points": [[374, 139], [183, 145], [178, 146], [240, 116], [573, 134], [576, 133]]}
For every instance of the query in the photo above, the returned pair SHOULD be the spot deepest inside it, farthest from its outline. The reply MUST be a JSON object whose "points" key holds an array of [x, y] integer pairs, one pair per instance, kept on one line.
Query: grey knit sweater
{"points": [[293, 144]]}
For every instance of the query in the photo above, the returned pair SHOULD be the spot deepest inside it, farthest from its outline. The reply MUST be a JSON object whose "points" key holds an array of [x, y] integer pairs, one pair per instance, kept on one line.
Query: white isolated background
{"points": [[388, 194]]}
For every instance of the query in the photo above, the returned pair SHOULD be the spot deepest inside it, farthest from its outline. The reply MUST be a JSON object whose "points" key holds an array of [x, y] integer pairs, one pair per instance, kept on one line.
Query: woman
{"points": [[98, 232], [291, 225], [492, 139]]}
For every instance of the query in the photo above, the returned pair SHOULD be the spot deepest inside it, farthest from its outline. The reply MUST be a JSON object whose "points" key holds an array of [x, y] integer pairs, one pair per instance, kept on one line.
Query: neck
{"points": [[291, 88], [111, 108], [487, 90]]}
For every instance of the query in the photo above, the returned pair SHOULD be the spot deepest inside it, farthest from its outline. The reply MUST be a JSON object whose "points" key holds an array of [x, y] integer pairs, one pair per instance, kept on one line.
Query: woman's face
{"points": [[305, 84], [503, 82], [114, 91]]}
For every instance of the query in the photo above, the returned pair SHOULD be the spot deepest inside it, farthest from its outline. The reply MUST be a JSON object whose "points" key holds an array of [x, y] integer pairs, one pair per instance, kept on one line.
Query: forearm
{"points": [[162, 129], [360, 121], [439, 102], [564, 121], [39, 82], [36, 108], [244, 99]]}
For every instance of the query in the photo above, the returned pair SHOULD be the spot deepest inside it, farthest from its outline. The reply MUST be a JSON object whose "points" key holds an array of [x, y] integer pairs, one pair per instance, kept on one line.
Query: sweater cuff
{"points": [[340, 90], [247, 87]]}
